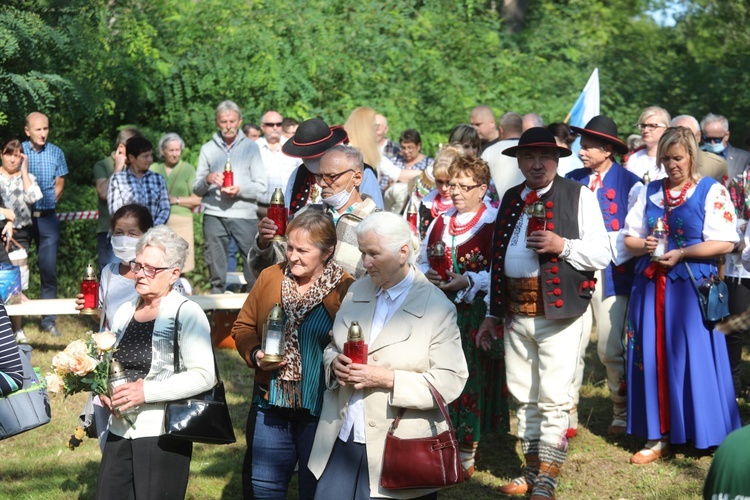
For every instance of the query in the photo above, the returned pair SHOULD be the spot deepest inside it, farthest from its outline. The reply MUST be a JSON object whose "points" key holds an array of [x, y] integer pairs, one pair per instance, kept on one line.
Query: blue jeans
{"points": [[46, 234], [281, 439]]}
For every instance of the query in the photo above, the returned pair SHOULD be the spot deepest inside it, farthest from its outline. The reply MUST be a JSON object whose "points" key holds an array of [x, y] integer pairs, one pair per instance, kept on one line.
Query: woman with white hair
{"points": [[410, 328], [180, 177], [652, 123], [138, 460]]}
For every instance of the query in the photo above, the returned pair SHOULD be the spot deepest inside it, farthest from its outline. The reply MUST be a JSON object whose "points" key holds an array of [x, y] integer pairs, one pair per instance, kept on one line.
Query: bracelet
{"points": [[682, 254]]}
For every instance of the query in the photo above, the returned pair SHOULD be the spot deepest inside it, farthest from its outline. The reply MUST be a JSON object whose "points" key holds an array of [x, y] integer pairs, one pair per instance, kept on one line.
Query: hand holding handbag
{"points": [[203, 418], [429, 462], [713, 296]]}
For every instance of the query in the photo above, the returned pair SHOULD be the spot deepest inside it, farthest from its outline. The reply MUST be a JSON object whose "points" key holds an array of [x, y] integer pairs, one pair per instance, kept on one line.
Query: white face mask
{"points": [[124, 248], [338, 200]]}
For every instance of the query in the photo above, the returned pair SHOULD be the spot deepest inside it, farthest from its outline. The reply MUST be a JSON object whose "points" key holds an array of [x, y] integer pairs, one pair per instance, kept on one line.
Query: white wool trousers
{"points": [[541, 358]]}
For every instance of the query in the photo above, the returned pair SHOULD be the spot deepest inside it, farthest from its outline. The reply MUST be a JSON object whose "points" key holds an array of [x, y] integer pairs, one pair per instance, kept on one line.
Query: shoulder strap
{"points": [[173, 177], [175, 337], [441, 405]]}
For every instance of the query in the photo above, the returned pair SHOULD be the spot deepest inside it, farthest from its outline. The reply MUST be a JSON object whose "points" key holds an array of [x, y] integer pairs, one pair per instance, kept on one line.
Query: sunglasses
{"points": [[269, 124], [713, 140]]}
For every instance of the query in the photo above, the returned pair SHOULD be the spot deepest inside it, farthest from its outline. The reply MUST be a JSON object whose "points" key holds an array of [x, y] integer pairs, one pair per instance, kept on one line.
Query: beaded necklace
{"points": [[672, 202], [439, 206], [456, 229]]}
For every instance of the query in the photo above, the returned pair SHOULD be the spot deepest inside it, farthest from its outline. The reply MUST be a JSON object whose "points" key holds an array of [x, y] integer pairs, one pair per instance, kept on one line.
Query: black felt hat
{"points": [[313, 138], [537, 137], [603, 129]]}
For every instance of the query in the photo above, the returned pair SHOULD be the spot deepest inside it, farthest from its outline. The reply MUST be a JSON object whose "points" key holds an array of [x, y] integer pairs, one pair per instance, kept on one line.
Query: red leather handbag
{"points": [[429, 462]]}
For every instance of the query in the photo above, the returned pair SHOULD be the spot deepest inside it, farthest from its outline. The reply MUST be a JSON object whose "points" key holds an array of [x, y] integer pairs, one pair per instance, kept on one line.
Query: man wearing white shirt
{"points": [[541, 286], [278, 165], [616, 190]]}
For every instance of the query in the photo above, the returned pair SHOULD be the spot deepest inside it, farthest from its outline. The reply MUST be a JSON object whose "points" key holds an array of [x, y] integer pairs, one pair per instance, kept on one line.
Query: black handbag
{"points": [[203, 418], [28, 407], [713, 296]]}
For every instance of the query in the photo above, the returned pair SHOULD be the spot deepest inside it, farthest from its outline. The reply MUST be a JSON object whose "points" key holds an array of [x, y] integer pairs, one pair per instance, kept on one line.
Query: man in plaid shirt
{"points": [[47, 163], [137, 184]]}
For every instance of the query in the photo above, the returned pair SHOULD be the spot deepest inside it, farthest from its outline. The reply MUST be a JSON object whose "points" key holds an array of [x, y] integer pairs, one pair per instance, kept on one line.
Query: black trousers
{"points": [[739, 301], [144, 468]]}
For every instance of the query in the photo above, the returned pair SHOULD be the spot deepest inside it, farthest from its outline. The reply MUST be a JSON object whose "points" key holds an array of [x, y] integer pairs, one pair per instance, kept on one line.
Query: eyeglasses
{"points": [[464, 189], [713, 140], [148, 271], [650, 126], [269, 124], [330, 178]]}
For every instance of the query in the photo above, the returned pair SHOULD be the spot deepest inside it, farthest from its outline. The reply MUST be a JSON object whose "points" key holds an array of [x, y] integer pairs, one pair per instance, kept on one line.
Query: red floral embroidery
{"points": [[729, 216], [615, 225], [613, 208], [610, 194], [718, 205]]}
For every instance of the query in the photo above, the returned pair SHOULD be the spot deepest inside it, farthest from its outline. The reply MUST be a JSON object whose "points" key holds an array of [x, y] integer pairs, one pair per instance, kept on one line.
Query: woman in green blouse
{"points": [[179, 176]]}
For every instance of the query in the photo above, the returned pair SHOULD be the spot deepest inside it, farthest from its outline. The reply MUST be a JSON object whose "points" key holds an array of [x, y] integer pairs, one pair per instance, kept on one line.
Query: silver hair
{"points": [[163, 237], [228, 106], [710, 118], [691, 119], [536, 120], [167, 138], [392, 231], [353, 155]]}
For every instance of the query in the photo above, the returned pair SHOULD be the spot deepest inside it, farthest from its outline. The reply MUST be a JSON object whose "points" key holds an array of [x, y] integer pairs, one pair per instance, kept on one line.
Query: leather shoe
{"points": [[53, 331], [514, 488], [651, 454], [469, 472]]}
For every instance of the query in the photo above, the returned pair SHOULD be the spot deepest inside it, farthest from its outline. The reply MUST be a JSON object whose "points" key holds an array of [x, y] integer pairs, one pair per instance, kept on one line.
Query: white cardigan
{"points": [[161, 383]]}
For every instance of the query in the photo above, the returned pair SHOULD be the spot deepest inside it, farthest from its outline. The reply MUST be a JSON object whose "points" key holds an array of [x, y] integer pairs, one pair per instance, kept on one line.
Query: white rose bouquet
{"points": [[83, 365]]}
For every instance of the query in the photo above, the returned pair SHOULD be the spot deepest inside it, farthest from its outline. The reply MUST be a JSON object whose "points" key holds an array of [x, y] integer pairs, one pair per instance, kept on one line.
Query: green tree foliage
{"points": [[162, 65]]}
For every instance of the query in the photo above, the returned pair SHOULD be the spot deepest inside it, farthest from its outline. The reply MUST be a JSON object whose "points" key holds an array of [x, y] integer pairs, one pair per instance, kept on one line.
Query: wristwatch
{"points": [[176, 201]]}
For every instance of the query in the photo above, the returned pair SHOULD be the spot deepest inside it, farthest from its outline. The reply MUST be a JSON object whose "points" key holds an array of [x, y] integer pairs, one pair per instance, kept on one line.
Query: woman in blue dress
{"points": [[679, 380]]}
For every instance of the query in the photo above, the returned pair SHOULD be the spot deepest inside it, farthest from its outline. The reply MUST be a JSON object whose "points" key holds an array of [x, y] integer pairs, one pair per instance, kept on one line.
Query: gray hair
{"points": [[535, 119], [353, 155], [392, 231], [710, 118], [511, 122], [228, 106], [126, 134], [163, 237], [167, 138], [691, 119]]}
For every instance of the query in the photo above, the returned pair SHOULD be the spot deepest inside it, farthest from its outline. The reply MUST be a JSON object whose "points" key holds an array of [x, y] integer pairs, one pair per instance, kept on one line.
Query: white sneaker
{"points": [[21, 338]]}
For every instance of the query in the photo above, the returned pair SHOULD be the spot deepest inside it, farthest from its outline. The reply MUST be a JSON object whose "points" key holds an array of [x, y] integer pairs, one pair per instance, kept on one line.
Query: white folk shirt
{"points": [[279, 167], [388, 302]]}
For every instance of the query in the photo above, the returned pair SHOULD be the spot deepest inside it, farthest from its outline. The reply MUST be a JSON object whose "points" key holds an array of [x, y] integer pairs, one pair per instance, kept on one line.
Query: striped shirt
{"points": [[47, 165], [313, 339], [150, 191], [11, 370]]}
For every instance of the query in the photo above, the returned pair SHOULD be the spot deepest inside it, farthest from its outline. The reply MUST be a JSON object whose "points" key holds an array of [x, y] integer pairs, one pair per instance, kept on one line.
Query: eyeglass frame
{"points": [[150, 275], [713, 140], [650, 126], [273, 124], [331, 178], [461, 187]]}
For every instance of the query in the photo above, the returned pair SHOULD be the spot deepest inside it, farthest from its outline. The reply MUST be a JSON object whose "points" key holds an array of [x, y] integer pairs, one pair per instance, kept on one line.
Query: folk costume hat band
{"points": [[313, 138], [537, 137], [603, 129]]}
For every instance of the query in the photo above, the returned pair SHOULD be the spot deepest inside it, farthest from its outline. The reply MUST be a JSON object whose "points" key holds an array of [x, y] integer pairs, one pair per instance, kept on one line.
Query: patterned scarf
{"points": [[296, 307]]}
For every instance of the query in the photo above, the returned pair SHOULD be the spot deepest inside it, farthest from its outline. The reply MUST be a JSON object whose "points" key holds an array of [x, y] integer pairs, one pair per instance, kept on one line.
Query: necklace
{"points": [[439, 206], [675, 201], [455, 229]]}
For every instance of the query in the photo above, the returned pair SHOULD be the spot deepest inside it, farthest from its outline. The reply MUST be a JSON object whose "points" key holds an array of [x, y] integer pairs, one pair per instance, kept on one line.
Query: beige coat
{"points": [[420, 342]]}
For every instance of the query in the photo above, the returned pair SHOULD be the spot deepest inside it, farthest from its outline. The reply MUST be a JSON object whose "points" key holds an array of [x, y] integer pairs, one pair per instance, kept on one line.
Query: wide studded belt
{"points": [[524, 296]]}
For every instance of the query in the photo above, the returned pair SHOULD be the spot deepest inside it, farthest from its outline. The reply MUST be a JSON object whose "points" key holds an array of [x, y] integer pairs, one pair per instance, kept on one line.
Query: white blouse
{"points": [[719, 224]]}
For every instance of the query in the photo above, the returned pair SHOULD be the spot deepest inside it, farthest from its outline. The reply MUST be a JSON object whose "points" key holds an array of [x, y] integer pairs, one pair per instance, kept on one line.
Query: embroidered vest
{"points": [[567, 291]]}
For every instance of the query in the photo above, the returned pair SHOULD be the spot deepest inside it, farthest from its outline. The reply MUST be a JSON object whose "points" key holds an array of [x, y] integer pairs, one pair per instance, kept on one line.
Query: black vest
{"points": [[567, 291]]}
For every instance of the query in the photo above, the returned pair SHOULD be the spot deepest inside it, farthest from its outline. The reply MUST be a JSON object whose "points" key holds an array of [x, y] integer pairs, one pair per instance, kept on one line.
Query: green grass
{"points": [[37, 465]]}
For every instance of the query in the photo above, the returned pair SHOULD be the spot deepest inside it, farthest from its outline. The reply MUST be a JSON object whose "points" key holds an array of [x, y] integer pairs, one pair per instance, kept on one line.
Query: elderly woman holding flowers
{"points": [[138, 461]]}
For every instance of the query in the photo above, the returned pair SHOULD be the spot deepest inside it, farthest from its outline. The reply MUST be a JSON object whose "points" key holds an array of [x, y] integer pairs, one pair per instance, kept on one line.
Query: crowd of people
{"points": [[507, 248]]}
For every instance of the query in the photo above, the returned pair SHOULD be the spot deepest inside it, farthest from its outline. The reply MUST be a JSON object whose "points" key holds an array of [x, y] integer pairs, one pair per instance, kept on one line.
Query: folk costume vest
{"points": [[613, 201], [472, 255], [567, 292]]}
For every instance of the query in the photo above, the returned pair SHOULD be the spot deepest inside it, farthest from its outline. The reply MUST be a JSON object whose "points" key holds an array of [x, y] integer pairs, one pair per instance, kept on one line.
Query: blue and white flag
{"points": [[586, 106]]}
